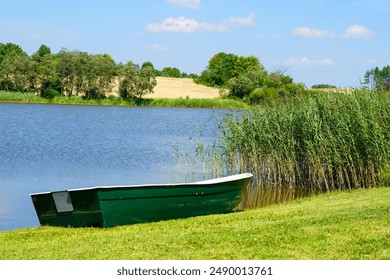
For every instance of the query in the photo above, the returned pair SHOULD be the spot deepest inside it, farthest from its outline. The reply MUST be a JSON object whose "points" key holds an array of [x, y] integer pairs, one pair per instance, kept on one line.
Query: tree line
{"points": [[94, 76], [75, 73]]}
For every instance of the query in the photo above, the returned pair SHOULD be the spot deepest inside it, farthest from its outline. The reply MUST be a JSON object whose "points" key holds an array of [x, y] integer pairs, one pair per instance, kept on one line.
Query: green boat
{"points": [[108, 206]]}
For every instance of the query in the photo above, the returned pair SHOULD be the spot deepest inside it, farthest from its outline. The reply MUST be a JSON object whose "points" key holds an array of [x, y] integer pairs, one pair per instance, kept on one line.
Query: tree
{"points": [[81, 62], [378, 78], [171, 72], [46, 74], [325, 86], [66, 71], [16, 72], [100, 74], [129, 73], [136, 81], [6, 49], [147, 81], [222, 67], [240, 86], [41, 53]]}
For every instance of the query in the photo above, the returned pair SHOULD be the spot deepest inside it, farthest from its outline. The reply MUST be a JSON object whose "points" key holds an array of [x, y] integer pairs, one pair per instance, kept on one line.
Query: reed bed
{"points": [[307, 145], [19, 97]]}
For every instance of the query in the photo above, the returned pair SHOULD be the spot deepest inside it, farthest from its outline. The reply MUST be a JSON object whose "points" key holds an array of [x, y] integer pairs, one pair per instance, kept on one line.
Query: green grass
{"points": [[339, 225], [19, 97], [197, 103]]}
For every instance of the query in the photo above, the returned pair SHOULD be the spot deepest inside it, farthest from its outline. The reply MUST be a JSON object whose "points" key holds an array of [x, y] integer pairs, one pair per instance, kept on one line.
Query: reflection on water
{"points": [[54, 147]]}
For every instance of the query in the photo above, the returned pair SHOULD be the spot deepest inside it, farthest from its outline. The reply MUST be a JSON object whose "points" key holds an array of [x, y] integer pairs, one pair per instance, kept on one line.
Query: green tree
{"points": [[16, 72], [147, 81], [81, 62], [378, 78], [41, 53], [171, 72], [136, 82], [6, 49], [325, 86], [66, 71], [240, 86], [222, 67], [100, 74], [46, 74]]}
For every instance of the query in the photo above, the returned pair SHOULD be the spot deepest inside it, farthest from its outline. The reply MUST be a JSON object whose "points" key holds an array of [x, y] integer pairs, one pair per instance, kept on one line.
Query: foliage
{"points": [[8, 49], [16, 72], [378, 78], [77, 73], [137, 81], [42, 52], [337, 226], [245, 78], [240, 86], [322, 86], [50, 89], [171, 72], [222, 67]]}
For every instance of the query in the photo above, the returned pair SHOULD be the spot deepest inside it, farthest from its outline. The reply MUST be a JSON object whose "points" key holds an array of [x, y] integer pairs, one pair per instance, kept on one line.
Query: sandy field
{"points": [[176, 88]]}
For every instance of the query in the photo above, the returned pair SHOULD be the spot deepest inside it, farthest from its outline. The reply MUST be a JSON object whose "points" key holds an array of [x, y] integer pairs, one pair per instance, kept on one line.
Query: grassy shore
{"points": [[18, 97], [339, 225]]}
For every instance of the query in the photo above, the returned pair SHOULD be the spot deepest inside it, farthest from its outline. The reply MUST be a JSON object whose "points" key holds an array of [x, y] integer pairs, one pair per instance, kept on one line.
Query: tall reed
{"points": [[308, 145]]}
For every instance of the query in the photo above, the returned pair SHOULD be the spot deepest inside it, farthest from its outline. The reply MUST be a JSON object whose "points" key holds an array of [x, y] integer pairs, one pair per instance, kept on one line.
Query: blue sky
{"points": [[314, 41]]}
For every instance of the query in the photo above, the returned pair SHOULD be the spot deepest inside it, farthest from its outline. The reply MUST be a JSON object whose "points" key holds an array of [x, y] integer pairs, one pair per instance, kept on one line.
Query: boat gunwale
{"points": [[225, 179]]}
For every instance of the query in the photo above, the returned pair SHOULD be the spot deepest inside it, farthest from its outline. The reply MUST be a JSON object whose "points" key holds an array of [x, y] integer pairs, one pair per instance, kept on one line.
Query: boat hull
{"points": [[122, 205]]}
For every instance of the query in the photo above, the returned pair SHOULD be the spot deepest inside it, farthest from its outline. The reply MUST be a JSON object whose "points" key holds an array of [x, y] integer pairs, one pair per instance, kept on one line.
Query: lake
{"points": [[58, 147]]}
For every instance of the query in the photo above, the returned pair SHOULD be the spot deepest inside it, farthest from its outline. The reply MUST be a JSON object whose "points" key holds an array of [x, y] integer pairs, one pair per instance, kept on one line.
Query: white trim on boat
{"points": [[205, 182]]}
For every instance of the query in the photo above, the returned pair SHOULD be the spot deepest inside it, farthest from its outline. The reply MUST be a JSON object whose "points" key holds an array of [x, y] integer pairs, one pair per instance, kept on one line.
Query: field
{"points": [[181, 88], [351, 225]]}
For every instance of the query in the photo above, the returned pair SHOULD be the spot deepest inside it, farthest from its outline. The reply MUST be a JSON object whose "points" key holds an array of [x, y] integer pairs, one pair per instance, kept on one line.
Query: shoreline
{"points": [[169, 92]]}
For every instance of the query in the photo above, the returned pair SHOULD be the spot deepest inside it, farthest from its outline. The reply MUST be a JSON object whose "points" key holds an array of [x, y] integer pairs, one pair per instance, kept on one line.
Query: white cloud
{"points": [[190, 4], [312, 33], [247, 21], [273, 36], [302, 62], [353, 32], [157, 47], [185, 25], [357, 32], [324, 62]]}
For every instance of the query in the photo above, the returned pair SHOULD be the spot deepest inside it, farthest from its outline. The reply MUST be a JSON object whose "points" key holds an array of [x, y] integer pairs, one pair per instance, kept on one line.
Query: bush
{"points": [[51, 89], [263, 95], [240, 86], [94, 93]]}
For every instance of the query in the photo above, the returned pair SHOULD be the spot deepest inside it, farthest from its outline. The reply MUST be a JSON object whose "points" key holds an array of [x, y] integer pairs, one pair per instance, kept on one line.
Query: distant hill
{"points": [[181, 87]]}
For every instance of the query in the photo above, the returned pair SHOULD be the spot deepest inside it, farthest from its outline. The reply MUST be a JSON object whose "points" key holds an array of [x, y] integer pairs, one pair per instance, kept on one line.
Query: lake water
{"points": [[57, 147]]}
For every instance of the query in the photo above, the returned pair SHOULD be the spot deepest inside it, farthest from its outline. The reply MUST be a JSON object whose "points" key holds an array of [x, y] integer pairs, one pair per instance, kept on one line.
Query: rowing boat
{"points": [[108, 206]]}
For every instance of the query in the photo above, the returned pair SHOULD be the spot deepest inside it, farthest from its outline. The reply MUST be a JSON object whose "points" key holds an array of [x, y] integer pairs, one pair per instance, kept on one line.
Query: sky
{"points": [[314, 41]]}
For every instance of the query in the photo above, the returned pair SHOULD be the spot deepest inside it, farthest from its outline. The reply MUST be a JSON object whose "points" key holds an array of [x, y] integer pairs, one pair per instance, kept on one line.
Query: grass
{"points": [[339, 226], [18, 97], [197, 103]]}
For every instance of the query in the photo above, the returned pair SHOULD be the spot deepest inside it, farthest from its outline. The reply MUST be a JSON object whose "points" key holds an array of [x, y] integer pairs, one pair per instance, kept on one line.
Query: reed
{"points": [[196, 103], [307, 145], [19, 97]]}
